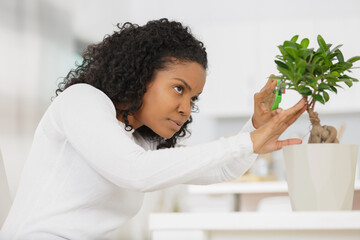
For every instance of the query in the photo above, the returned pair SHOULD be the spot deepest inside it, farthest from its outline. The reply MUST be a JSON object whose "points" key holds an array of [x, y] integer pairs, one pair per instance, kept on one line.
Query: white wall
{"points": [[241, 38], [36, 47]]}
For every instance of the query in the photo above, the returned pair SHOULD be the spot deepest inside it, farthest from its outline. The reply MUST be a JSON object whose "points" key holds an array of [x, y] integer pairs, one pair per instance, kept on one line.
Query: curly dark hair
{"points": [[123, 64]]}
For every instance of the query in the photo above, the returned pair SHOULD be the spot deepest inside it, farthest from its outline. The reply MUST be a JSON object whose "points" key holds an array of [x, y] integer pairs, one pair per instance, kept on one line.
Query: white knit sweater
{"points": [[85, 175]]}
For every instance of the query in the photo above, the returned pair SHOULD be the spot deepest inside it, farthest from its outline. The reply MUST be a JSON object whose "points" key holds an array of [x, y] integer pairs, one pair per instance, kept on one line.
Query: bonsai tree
{"points": [[314, 73]]}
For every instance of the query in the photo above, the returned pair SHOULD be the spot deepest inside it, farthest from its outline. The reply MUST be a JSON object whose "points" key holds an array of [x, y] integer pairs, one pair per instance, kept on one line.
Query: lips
{"points": [[176, 124]]}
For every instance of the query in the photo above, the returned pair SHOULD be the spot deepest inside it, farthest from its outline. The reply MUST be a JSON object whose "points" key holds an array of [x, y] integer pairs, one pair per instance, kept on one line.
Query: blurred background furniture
{"points": [[274, 204], [247, 196], [340, 225]]}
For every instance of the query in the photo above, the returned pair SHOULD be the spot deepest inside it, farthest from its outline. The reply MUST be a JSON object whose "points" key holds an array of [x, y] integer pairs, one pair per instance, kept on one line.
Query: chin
{"points": [[166, 135]]}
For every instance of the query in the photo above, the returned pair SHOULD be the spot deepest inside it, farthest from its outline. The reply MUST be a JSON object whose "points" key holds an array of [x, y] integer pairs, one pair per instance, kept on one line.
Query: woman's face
{"points": [[169, 98]]}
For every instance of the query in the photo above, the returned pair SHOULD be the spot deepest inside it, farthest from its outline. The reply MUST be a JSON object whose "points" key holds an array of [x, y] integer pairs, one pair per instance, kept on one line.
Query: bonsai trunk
{"points": [[321, 134]]}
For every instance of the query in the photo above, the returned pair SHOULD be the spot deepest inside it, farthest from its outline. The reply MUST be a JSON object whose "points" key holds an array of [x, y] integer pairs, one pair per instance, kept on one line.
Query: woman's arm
{"points": [[87, 119], [229, 171], [266, 127]]}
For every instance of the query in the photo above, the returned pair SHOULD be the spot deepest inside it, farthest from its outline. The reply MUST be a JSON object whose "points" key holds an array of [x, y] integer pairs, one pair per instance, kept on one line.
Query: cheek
{"points": [[162, 100], [153, 106]]}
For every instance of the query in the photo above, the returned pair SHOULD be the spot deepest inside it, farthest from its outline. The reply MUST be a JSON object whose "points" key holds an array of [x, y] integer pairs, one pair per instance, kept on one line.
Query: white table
{"points": [[256, 225], [248, 194]]}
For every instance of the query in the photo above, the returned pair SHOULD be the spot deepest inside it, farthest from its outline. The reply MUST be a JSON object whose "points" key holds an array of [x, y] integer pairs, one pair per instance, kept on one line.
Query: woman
{"points": [[109, 136]]}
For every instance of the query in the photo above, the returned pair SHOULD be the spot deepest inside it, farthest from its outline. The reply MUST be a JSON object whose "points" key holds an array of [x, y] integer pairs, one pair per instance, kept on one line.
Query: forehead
{"points": [[192, 73]]}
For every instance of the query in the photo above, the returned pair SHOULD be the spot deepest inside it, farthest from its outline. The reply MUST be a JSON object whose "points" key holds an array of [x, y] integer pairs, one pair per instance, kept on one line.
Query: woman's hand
{"points": [[266, 138], [263, 101]]}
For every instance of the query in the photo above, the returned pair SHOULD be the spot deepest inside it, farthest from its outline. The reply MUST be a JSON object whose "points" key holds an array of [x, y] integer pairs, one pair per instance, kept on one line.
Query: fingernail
{"points": [[279, 110]]}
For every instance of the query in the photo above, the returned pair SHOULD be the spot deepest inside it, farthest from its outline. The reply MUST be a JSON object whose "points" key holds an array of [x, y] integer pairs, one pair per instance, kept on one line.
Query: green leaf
{"points": [[309, 78], [322, 44], [300, 65], [318, 70], [331, 79], [340, 67], [328, 63], [291, 51], [339, 56], [323, 86], [354, 59], [305, 91], [298, 46], [286, 55], [281, 64], [290, 65], [353, 79], [347, 81], [285, 72], [290, 44], [300, 62], [337, 85], [326, 96], [333, 89], [313, 84], [335, 73], [294, 38], [298, 78], [305, 43], [336, 48], [276, 77], [317, 58], [318, 98], [304, 53], [282, 50]]}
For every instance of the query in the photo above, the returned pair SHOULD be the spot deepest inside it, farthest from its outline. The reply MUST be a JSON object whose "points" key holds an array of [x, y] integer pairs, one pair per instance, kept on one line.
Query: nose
{"points": [[185, 108]]}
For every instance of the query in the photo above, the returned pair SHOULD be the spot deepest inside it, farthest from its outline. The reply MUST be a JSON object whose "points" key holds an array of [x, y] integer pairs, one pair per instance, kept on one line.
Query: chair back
{"points": [[5, 198]]}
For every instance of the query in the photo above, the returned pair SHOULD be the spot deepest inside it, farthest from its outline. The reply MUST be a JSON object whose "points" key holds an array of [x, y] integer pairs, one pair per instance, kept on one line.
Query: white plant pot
{"points": [[321, 177]]}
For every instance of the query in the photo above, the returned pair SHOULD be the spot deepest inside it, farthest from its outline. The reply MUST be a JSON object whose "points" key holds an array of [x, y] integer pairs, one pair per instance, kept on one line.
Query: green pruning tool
{"points": [[279, 90]]}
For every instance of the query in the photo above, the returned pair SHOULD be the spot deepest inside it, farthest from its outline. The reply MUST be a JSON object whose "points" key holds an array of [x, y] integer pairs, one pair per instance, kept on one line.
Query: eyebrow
{"points": [[186, 84]]}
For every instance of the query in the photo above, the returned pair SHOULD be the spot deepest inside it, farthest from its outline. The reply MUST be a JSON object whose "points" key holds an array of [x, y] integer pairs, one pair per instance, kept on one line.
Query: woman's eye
{"points": [[194, 100], [179, 89]]}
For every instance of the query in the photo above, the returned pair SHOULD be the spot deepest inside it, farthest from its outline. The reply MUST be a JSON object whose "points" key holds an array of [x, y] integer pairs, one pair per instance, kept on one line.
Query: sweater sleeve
{"points": [[87, 119], [248, 127], [233, 169]]}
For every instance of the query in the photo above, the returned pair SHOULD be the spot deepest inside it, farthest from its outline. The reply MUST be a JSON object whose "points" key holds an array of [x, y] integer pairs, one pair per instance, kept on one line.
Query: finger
{"points": [[288, 117], [298, 106], [287, 142], [278, 124], [269, 87], [266, 95], [271, 77], [299, 113], [268, 82], [284, 119]]}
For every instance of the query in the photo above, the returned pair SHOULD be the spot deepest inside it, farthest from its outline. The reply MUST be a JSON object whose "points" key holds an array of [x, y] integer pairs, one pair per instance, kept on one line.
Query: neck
{"points": [[131, 119]]}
